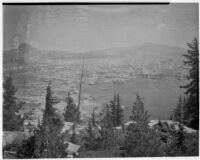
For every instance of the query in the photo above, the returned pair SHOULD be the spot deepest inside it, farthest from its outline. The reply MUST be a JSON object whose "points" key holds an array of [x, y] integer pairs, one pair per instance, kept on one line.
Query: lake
{"points": [[102, 78]]}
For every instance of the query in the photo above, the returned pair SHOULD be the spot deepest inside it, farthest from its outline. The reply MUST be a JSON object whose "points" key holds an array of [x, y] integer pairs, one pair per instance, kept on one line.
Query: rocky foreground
{"points": [[15, 138]]}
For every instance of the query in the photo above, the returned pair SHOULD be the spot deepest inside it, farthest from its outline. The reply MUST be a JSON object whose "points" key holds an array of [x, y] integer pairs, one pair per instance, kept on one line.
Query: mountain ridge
{"points": [[147, 50]]}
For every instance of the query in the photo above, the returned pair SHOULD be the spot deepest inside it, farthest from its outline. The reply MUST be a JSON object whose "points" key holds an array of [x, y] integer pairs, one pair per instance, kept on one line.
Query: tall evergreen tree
{"points": [[112, 107], [177, 112], [140, 140], [107, 139], [72, 113], [119, 111], [192, 89], [49, 141], [116, 112], [138, 108], [11, 121]]}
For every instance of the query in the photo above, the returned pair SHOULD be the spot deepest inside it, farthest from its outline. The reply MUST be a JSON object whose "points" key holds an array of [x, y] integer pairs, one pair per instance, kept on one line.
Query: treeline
{"points": [[109, 135], [138, 139]]}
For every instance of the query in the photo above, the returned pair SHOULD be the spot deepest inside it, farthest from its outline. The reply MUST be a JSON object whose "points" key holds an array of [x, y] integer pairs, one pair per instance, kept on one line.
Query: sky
{"points": [[82, 28]]}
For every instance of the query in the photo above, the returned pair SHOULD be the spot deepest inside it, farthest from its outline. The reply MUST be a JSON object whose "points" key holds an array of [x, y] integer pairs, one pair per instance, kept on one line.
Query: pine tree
{"points": [[178, 146], [192, 89], [140, 140], [72, 113], [119, 112], [49, 140], [107, 139], [116, 111], [90, 140], [176, 114], [107, 120], [138, 108], [11, 121], [49, 110], [112, 106]]}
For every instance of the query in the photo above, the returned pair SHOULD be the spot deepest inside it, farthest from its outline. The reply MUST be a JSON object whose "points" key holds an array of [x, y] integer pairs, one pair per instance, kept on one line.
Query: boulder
{"points": [[14, 138], [170, 126], [72, 149]]}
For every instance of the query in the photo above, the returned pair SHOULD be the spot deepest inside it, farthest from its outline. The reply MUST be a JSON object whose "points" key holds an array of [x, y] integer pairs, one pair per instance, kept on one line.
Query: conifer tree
{"points": [[178, 146], [113, 110], [138, 108], [107, 131], [91, 142], [119, 112], [49, 140], [176, 114], [192, 89], [72, 113], [107, 120], [11, 121], [116, 111], [140, 140]]}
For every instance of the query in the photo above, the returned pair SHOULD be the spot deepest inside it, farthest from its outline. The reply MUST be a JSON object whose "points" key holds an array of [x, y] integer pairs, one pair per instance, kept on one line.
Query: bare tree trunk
{"points": [[80, 85]]}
